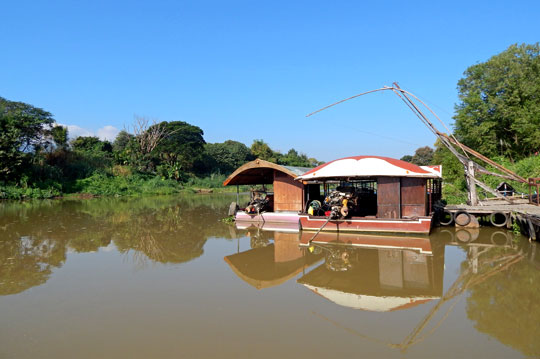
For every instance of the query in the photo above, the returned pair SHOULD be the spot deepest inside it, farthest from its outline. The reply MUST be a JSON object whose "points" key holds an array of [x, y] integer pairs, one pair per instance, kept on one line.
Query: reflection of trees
{"points": [[175, 233], [168, 235], [506, 305], [35, 236], [503, 288], [27, 253], [27, 262]]}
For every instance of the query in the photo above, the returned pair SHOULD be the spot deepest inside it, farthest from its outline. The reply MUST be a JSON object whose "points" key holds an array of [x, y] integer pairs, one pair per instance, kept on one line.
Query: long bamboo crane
{"points": [[450, 141]]}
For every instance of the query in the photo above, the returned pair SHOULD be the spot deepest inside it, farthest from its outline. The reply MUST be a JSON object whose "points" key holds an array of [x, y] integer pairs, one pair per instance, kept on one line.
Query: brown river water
{"points": [[165, 278]]}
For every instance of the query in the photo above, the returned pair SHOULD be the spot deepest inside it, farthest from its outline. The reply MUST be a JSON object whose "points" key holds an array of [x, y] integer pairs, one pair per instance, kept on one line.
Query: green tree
{"points": [[181, 145], [406, 158], [59, 135], [123, 147], [499, 109], [89, 154], [422, 156], [91, 144], [23, 129], [121, 141], [260, 149], [293, 158], [227, 156]]}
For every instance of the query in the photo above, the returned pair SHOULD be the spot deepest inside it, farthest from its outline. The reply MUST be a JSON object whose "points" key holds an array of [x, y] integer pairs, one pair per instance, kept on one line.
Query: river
{"points": [[164, 277]]}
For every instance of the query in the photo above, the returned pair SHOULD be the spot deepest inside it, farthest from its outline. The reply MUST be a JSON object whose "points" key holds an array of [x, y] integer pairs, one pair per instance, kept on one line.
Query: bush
{"points": [[101, 184], [19, 193], [212, 181]]}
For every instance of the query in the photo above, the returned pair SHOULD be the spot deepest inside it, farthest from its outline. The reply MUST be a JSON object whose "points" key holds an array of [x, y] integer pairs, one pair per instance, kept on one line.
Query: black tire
{"points": [[493, 220], [442, 216]]}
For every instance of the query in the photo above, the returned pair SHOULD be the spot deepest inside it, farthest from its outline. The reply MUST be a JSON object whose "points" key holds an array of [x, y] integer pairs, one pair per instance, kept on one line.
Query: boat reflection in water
{"points": [[274, 257], [375, 273], [383, 274]]}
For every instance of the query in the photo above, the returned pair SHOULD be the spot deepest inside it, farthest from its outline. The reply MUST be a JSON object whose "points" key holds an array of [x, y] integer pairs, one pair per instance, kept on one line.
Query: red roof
{"points": [[358, 166]]}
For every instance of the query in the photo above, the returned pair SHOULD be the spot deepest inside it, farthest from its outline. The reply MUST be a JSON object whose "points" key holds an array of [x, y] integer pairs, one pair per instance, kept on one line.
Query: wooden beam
{"points": [[488, 189], [485, 159]]}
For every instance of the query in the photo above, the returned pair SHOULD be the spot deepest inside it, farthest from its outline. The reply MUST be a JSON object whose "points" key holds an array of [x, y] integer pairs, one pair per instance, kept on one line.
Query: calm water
{"points": [[164, 278]]}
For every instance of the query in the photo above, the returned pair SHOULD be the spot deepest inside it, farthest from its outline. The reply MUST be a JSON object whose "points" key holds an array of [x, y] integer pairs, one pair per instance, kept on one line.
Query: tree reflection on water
{"points": [[506, 305], [35, 237]]}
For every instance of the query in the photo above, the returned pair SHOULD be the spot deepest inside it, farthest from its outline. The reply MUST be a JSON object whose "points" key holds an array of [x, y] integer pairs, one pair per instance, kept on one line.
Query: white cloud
{"points": [[108, 133], [76, 131], [105, 133]]}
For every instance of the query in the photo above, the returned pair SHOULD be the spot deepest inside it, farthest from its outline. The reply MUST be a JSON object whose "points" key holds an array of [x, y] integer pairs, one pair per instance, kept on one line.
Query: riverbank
{"points": [[102, 185]]}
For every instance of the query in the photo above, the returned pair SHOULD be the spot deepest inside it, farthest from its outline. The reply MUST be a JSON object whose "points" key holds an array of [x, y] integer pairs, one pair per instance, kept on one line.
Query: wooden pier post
{"points": [[471, 184]]}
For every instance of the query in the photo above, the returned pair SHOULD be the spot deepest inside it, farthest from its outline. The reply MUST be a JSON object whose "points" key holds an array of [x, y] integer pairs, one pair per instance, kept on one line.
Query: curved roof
{"points": [[260, 172], [370, 302], [368, 166], [259, 268]]}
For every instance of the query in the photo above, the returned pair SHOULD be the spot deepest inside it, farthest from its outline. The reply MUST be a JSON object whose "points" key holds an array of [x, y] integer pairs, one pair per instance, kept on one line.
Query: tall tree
{"points": [[227, 156], [260, 149], [180, 146], [23, 128], [91, 144], [499, 112], [293, 158], [422, 156], [121, 141], [59, 135]]}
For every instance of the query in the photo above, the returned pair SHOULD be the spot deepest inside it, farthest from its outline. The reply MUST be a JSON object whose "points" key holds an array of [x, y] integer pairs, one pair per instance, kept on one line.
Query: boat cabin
{"points": [[282, 203], [370, 194]]}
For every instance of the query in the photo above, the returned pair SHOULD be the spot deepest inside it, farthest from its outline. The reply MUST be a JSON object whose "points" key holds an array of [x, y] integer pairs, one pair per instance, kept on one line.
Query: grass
{"points": [[117, 184]]}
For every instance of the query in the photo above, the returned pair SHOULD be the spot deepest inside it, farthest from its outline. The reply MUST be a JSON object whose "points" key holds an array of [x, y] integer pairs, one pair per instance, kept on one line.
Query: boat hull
{"points": [[268, 217], [367, 225]]}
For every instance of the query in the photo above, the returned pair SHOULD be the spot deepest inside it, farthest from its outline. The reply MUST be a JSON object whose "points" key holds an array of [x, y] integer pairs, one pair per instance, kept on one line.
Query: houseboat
{"points": [[370, 194], [279, 205], [376, 275]]}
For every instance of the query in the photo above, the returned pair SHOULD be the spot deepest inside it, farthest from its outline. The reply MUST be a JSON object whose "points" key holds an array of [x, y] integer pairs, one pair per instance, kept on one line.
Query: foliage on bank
{"points": [[38, 161]]}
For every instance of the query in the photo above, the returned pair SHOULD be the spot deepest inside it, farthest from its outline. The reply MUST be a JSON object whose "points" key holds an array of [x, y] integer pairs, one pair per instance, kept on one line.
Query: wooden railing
{"points": [[534, 182]]}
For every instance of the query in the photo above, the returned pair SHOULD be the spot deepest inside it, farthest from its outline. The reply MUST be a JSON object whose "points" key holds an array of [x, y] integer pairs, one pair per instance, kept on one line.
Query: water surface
{"points": [[164, 277]]}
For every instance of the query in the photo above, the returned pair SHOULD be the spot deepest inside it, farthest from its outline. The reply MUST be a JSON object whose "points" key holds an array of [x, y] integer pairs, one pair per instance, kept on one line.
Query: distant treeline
{"points": [[38, 160]]}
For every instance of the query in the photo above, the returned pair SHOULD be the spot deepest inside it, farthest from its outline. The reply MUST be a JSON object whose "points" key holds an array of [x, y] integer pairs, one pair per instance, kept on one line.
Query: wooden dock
{"points": [[498, 213]]}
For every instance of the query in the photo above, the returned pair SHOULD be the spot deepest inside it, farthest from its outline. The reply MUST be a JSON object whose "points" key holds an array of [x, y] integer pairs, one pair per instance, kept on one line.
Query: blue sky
{"points": [[245, 70]]}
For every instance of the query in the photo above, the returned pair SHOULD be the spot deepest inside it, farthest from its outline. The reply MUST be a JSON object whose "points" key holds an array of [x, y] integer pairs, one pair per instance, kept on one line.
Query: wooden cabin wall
{"points": [[286, 247], [413, 197], [388, 201], [288, 193]]}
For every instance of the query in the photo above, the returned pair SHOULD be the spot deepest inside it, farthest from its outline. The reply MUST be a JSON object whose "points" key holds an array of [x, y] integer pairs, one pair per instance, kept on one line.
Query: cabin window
{"points": [[434, 193], [361, 194], [364, 200]]}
